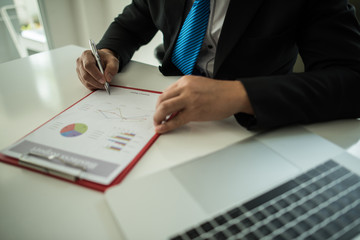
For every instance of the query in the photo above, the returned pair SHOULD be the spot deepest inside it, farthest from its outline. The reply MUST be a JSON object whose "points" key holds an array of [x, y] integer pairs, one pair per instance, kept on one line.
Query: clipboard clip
{"points": [[25, 162], [55, 157]]}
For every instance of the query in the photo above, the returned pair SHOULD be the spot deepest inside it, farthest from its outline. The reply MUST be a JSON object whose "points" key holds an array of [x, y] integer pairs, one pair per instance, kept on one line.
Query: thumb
{"points": [[111, 68], [177, 121], [111, 63]]}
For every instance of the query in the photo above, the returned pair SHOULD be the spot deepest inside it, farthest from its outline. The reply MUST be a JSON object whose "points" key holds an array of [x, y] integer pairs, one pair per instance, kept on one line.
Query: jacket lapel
{"points": [[174, 20], [240, 13]]}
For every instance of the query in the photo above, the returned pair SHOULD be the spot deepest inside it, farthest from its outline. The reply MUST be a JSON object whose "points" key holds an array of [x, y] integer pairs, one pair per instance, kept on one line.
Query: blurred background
{"points": [[31, 26]]}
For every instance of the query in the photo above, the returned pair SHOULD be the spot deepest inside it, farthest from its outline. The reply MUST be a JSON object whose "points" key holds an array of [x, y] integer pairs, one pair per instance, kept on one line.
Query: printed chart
{"points": [[74, 130], [103, 132], [119, 141]]}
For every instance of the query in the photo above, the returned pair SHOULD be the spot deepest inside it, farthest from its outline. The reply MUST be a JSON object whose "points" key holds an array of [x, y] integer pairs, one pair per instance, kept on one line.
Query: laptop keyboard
{"points": [[323, 203]]}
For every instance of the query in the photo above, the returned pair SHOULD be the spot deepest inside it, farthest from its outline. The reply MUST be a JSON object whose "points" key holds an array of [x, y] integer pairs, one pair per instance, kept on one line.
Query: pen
{"points": [[97, 58]]}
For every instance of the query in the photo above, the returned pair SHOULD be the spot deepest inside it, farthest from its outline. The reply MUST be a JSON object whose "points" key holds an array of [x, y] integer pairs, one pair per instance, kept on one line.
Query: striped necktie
{"points": [[191, 37]]}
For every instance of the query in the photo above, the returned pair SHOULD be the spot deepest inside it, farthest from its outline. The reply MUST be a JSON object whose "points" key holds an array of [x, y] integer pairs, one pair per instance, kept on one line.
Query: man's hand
{"points": [[88, 72], [194, 98]]}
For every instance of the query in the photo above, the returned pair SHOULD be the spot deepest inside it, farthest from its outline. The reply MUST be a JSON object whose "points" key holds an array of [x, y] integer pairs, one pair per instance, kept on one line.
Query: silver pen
{"points": [[97, 58]]}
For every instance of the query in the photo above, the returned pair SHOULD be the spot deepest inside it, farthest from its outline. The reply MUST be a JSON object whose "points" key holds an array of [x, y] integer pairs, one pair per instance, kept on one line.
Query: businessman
{"points": [[243, 65]]}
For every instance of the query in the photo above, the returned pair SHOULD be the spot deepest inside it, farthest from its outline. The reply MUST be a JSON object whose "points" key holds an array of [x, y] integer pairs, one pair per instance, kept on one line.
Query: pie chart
{"points": [[74, 130]]}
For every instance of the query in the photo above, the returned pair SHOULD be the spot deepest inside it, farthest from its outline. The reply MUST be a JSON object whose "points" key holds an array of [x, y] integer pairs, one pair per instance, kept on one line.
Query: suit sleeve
{"points": [[129, 31], [329, 89]]}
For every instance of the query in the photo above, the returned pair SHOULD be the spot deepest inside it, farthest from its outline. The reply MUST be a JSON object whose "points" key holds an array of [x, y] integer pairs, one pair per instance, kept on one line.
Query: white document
{"points": [[96, 138]]}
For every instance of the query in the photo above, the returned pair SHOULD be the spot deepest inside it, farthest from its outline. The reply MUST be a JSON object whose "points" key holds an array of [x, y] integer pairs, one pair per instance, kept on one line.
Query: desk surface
{"points": [[33, 90]]}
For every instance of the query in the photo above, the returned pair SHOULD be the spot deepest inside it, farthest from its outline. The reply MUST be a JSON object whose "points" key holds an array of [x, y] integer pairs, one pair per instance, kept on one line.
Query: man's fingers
{"points": [[166, 108], [111, 68], [178, 120], [87, 69], [110, 64], [89, 73], [170, 92], [90, 66], [87, 80]]}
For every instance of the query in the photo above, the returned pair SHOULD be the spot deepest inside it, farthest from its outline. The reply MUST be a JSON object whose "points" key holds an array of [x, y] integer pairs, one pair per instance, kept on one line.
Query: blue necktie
{"points": [[191, 37]]}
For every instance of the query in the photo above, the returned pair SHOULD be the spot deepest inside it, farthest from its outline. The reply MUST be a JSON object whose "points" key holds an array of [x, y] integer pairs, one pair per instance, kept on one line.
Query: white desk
{"points": [[34, 206]]}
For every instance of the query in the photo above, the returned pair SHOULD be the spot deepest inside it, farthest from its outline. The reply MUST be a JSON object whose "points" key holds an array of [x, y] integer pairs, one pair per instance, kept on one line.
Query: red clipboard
{"points": [[83, 182]]}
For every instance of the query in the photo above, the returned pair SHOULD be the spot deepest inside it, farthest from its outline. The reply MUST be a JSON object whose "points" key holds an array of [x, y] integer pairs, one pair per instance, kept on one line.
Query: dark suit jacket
{"points": [[258, 45]]}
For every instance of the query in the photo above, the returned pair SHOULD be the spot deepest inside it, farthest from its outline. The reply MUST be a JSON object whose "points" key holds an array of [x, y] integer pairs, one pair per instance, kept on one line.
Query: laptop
{"points": [[285, 184]]}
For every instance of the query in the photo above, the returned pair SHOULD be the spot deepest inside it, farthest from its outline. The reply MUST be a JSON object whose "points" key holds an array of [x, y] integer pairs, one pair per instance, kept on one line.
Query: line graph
{"points": [[124, 113]]}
